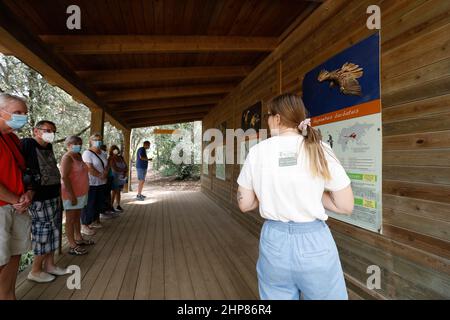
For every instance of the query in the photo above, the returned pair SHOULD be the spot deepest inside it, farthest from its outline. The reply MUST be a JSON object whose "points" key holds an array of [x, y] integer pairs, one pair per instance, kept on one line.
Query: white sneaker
{"points": [[43, 277], [87, 231], [58, 271]]}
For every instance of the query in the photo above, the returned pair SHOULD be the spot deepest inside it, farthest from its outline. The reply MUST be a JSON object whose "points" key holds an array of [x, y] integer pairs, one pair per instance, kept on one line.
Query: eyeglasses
{"points": [[267, 115]]}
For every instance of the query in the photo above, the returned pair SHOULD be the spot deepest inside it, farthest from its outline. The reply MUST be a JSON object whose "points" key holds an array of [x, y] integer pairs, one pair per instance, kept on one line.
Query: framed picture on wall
{"points": [[205, 162], [223, 129], [347, 111], [251, 117], [245, 146], [220, 163]]}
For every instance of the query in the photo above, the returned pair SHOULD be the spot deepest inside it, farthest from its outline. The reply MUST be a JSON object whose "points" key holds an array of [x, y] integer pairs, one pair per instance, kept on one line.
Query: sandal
{"points": [[85, 242], [77, 251]]}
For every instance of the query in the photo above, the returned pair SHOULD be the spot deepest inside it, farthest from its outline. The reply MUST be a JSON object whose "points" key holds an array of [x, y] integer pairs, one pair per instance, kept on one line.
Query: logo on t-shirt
{"points": [[287, 159]]}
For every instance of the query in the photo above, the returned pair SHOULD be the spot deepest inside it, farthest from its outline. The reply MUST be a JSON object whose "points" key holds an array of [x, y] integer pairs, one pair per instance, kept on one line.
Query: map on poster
{"points": [[357, 144], [343, 98]]}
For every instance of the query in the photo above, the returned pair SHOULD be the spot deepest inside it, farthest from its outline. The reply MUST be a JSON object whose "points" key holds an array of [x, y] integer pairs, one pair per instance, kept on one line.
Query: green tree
{"points": [[165, 144], [47, 102]]}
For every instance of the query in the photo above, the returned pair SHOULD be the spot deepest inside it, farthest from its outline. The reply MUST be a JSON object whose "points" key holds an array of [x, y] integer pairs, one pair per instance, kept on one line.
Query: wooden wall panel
{"points": [[414, 249]]}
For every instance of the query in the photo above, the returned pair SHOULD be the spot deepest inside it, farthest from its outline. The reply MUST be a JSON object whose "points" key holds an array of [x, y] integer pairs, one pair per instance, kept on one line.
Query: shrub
{"points": [[26, 260]]}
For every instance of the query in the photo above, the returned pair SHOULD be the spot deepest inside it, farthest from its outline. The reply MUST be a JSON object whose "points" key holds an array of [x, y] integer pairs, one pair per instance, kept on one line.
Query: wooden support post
{"points": [[126, 156], [97, 121]]}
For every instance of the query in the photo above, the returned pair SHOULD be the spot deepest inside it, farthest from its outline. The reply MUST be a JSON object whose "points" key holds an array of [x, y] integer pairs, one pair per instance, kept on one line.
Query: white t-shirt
{"points": [[283, 182], [91, 158]]}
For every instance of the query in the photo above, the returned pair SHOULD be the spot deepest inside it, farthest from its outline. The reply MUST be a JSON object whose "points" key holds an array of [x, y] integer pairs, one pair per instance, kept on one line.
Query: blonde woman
{"points": [[292, 178]]}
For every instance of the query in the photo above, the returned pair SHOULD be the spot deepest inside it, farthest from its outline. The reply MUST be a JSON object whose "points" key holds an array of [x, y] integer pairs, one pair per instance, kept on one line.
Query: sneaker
{"points": [[96, 225], [43, 277], [58, 271], [119, 208], [87, 231], [140, 197]]}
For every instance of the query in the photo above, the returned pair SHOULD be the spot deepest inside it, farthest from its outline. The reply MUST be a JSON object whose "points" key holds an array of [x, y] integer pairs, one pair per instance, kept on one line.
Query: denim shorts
{"points": [[299, 258], [141, 173], [81, 203]]}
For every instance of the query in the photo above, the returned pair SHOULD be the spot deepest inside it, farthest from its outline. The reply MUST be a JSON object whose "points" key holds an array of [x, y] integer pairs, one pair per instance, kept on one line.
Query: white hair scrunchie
{"points": [[303, 126]]}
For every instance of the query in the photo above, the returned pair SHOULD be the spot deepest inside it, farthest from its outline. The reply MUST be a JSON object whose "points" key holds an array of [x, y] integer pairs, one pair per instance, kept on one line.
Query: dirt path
{"points": [[156, 182]]}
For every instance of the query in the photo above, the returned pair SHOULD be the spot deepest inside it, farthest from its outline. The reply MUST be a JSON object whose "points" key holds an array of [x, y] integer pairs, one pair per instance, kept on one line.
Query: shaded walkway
{"points": [[174, 245]]}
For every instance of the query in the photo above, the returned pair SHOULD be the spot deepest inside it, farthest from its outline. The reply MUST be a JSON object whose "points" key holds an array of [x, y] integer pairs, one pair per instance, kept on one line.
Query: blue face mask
{"points": [[97, 144], [76, 148], [17, 121]]}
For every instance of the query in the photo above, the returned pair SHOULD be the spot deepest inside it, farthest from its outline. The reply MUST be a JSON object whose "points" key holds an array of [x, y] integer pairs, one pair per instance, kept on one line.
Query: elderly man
{"points": [[45, 210], [15, 222]]}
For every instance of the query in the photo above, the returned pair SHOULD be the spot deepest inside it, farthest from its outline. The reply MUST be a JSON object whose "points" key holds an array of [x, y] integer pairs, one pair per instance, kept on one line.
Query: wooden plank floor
{"points": [[174, 245]]}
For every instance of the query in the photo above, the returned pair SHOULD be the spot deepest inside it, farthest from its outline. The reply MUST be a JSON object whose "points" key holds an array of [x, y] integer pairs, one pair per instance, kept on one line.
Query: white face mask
{"points": [[48, 137]]}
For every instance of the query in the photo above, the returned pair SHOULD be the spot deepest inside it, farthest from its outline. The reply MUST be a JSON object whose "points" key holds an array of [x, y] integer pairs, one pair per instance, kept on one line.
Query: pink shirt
{"points": [[79, 178]]}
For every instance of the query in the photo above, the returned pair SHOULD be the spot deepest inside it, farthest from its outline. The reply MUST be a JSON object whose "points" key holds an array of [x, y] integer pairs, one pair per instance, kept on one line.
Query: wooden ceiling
{"points": [[150, 62]]}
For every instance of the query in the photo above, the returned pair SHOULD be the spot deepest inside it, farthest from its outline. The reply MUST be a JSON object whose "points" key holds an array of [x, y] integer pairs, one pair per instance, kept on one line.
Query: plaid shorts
{"points": [[44, 225]]}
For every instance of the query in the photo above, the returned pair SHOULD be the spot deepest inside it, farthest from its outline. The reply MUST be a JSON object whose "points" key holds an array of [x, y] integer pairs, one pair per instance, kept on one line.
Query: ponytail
{"points": [[317, 161], [292, 112]]}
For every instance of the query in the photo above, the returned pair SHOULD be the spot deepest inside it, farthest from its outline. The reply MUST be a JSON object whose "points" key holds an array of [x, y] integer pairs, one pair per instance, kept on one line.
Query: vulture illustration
{"points": [[254, 121], [246, 119], [344, 78]]}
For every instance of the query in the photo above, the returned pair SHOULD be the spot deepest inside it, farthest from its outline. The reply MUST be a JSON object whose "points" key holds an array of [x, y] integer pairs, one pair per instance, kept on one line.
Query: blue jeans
{"points": [[297, 258], [95, 203]]}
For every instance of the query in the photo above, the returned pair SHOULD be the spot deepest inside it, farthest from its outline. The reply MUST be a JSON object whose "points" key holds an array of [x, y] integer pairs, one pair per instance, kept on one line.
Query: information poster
{"points": [[245, 148], [220, 163], [205, 162], [343, 99]]}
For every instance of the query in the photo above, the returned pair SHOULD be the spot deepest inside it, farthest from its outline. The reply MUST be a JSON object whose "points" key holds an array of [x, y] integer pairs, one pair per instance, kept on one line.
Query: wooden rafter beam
{"points": [[166, 112], [32, 51], [123, 109], [155, 121], [4, 50], [161, 123], [161, 74], [164, 92], [301, 17], [125, 44]]}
